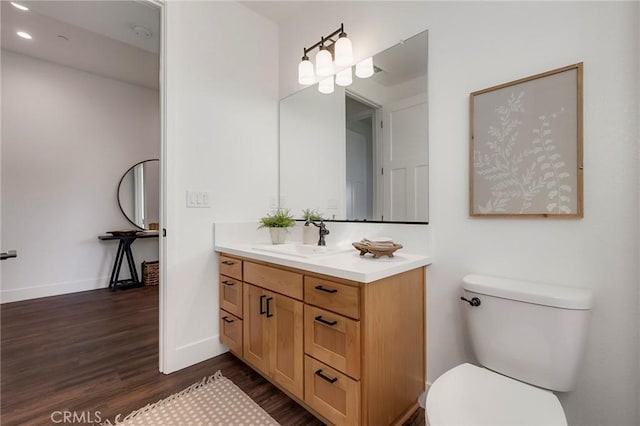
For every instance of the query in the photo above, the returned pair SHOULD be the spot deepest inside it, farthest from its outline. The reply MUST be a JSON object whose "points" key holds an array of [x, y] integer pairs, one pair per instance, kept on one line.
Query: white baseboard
{"points": [[54, 289], [193, 353]]}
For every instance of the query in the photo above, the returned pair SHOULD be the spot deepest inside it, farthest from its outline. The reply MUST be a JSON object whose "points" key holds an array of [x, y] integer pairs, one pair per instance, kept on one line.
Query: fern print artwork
{"points": [[525, 148]]}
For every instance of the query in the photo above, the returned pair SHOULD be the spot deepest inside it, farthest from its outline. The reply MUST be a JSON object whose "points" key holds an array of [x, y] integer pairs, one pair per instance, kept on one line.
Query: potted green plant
{"points": [[278, 223], [309, 233]]}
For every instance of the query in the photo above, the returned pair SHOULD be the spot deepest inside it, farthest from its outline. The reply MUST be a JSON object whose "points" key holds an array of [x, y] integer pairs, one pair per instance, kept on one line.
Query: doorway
{"points": [[361, 158], [82, 102]]}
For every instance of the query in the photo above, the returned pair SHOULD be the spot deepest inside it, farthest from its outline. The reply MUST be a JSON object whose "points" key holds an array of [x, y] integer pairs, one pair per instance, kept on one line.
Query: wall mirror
{"points": [[361, 153], [139, 193]]}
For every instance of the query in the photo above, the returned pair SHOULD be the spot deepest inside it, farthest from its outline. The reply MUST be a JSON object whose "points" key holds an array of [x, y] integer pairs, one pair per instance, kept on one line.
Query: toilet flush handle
{"points": [[473, 302]]}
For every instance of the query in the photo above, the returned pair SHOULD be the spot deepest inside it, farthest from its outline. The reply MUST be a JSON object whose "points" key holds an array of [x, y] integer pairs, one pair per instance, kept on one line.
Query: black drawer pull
{"points": [[326, 290], [226, 319], [269, 314], [328, 379], [324, 321], [262, 311], [228, 262], [229, 283]]}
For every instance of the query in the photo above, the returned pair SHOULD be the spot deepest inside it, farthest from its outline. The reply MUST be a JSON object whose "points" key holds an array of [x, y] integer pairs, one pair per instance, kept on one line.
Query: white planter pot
{"points": [[309, 234], [278, 235]]}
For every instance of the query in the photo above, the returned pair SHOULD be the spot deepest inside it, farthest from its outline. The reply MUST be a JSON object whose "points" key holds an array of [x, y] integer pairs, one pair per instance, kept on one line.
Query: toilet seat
{"points": [[470, 395]]}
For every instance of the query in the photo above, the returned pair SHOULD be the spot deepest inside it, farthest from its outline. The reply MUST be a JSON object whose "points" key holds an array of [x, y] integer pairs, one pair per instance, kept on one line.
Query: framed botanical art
{"points": [[525, 156]]}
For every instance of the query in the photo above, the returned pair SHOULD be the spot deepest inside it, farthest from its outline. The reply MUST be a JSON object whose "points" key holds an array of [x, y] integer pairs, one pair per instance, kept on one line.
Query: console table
{"points": [[124, 250]]}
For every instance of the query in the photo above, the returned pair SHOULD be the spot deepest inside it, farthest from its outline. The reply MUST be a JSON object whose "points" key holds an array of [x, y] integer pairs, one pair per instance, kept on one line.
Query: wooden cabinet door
{"points": [[285, 319], [255, 327]]}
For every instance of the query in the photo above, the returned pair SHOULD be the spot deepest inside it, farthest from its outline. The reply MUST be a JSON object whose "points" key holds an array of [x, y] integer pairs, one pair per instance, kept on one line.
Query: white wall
{"points": [[67, 138], [479, 44], [222, 121]]}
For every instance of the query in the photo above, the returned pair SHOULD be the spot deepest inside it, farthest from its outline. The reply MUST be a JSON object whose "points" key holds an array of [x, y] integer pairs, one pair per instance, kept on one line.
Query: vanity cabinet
{"points": [[352, 353]]}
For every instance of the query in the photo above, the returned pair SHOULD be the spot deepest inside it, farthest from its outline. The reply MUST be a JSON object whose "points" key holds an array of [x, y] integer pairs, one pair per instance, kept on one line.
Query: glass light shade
{"points": [[326, 85], [305, 72], [343, 52], [344, 77], [364, 68], [324, 63]]}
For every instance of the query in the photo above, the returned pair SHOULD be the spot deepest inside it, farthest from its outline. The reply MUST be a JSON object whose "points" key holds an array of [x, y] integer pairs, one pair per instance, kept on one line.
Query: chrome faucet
{"points": [[322, 230]]}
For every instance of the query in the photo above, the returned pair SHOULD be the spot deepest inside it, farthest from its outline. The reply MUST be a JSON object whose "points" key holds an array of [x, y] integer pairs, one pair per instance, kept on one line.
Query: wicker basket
{"points": [[150, 274]]}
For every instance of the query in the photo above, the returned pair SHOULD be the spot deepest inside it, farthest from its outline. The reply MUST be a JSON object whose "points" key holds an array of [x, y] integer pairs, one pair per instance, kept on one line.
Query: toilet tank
{"points": [[532, 332]]}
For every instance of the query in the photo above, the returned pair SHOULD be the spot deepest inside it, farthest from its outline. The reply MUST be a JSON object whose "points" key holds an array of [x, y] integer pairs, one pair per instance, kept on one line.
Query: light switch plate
{"points": [[198, 199], [274, 204]]}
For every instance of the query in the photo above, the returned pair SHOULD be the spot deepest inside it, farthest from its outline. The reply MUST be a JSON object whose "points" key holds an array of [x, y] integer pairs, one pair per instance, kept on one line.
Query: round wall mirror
{"points": [[139, 194]]}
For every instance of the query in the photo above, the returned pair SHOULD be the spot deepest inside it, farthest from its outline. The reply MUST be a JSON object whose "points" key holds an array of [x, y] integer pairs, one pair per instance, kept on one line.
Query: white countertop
{"points": [[347, 264]]}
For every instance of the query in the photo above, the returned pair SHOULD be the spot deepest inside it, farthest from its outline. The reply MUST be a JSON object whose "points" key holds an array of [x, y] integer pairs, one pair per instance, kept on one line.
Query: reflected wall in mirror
{"points": [[139, 193], [361, 154]]}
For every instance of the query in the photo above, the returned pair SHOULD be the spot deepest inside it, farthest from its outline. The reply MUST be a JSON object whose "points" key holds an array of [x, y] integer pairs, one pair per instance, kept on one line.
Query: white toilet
{"points": [[530, 338]]}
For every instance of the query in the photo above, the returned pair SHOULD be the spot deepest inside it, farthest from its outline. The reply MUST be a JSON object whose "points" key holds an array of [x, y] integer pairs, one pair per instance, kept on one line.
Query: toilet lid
{"points": [[470, 395]]}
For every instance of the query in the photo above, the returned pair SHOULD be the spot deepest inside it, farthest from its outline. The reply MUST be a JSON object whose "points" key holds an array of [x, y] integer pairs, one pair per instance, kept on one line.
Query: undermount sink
{"points": [[302, 250]]}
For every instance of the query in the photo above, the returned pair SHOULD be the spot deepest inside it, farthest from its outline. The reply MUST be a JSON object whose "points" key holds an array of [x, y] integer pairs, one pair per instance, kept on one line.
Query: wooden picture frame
{"points": [[525, 152]]}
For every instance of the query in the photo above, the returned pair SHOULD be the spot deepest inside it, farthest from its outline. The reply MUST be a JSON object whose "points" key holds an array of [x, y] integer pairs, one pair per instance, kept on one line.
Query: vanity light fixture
{"points": [[364, 68], [344, 77], [24, 35], [343, 50], [305, 71], [326, 85], [324, 61], [19, 6], [335, 56]]}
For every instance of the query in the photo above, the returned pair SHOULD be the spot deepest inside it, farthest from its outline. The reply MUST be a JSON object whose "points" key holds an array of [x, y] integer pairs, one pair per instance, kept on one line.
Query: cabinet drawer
{"points": [[231, 332], [278, 280], [333, 296], [231, 295], [333, 395], [332, 339], [230, 267]]}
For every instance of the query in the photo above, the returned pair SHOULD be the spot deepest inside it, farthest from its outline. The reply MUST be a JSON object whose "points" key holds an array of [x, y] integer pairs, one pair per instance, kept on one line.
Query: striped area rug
{"points": [[215, 400]]}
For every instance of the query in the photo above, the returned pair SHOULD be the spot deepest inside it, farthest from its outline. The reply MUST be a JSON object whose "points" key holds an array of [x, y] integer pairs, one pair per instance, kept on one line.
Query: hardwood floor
{"points": [[95, 354]]}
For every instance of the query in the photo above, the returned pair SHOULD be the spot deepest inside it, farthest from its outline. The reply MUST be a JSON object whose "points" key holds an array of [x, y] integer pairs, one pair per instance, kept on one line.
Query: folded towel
{"points": [[380, 244], [379, 239]]}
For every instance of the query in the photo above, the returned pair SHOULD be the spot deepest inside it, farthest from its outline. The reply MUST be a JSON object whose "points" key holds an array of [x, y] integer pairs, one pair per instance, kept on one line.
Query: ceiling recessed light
{"points": [[24, 35], [19, 6]]}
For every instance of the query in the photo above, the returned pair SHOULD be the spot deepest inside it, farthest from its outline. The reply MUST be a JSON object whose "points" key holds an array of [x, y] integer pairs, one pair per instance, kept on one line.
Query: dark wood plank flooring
{"points": [[95, 353]]}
